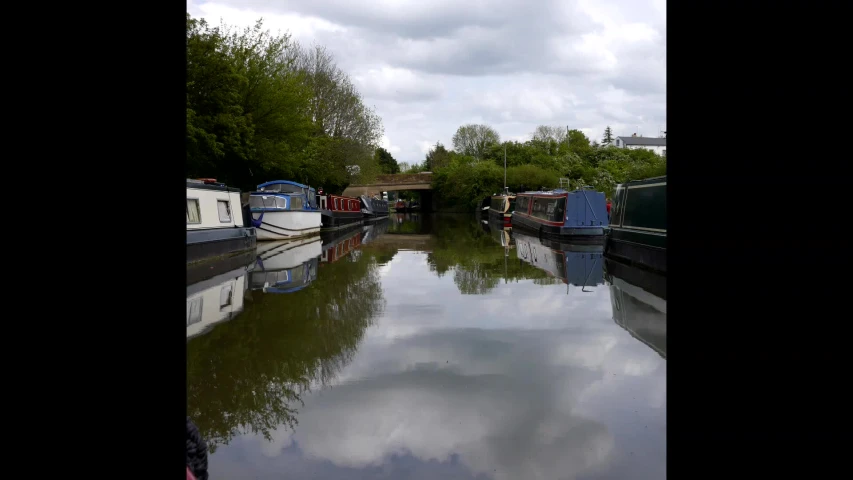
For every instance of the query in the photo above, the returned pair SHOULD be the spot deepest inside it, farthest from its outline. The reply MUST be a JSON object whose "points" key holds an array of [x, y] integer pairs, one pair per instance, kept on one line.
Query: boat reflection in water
{"points": [[579, 265], [339, 246], [216, 292], [373, 230], [286, 267], [638, 298]]}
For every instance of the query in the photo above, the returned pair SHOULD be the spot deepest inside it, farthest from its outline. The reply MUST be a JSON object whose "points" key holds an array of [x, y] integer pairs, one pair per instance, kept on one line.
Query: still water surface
{"points": [[429, 347]]}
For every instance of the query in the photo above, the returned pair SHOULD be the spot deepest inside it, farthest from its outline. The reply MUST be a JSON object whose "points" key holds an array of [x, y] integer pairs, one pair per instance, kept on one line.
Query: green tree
{"points": [[473, 140], [437, 157], [608, 136], [386, 161]]}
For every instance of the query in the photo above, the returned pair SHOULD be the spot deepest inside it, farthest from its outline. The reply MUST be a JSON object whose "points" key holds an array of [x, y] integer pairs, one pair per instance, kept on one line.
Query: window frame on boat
{"points": [[227, 203], [195, 302], [197, 210], [230, 298]]}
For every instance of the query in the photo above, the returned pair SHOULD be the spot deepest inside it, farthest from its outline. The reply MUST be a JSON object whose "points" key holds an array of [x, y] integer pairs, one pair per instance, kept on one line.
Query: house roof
{"points": [[650, 141]]}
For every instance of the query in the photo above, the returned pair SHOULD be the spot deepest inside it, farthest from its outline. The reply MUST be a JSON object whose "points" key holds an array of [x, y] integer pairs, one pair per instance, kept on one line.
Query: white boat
{"points": [[283, 210], [215, 223], [215, 300]]}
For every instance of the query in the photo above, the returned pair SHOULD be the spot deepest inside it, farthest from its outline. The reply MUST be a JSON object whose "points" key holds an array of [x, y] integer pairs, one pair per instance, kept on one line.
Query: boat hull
{"points": [[640, 249], [501, 218], [332, 220], [637, 234], [286, 224], [590, 234], [216, 243]]}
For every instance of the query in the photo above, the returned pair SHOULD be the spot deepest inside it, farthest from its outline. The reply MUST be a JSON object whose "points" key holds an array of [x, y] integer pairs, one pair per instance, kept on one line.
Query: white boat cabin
{"points": [[212, 205]]}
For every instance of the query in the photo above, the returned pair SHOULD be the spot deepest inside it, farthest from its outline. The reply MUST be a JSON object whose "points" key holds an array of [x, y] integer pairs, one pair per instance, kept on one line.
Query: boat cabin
{"points": [[502, 206], [338, 203], [282, 195], [578, 209], [212, 205]]}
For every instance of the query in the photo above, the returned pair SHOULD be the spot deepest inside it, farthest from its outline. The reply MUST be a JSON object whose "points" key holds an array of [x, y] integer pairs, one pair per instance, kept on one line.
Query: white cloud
{"points": [[430, 67]]}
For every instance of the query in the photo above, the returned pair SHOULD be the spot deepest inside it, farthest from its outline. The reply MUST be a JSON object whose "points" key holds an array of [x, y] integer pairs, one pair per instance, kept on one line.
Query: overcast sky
{"points": [[430, 66]]}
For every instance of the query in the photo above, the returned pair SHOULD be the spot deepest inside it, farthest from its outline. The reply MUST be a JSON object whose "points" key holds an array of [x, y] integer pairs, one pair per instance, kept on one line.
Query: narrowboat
{"points": [[501, 208], [283, 210], [339, 212], [400, 206], [215, 224], [637, 233], [373, 208], [638, 299], [579, 265], [286, 267], [485, 204], [216, 299], [579, 215]]}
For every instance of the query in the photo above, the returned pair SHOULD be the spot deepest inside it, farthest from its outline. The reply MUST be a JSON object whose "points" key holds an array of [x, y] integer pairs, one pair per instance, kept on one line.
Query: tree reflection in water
{"points": [[476, 258], [249, 375]]}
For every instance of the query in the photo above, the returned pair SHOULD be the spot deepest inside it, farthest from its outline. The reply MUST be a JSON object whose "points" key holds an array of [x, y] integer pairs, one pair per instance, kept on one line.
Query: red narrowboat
{"points": [[339, 212]]}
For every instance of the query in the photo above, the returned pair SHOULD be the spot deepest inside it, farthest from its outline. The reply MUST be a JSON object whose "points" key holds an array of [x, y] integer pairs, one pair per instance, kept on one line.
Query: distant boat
{"points": [[215, 223], [373, 208], [637, 232], [400, 206], [580, 215], [283, 210], [501, 208]]}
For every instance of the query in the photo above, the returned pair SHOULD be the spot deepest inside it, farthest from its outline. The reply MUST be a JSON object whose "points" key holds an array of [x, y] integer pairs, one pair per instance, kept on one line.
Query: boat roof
{"points": [[556, 191], [283, 182], [661, 179]]}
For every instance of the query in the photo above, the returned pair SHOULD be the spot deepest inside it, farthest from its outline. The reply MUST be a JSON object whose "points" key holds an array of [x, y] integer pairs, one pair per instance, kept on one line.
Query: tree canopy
{"points": [[262, 107]]}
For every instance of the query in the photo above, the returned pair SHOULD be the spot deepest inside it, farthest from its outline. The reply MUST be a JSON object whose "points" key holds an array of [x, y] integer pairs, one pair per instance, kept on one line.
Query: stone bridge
{"points": [[392, 183]]}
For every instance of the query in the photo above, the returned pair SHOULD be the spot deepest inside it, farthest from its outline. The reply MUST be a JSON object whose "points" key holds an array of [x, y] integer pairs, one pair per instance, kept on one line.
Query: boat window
{"points": [[282, 188], [522, 203], [193, 213], [224, 211], [323, 203], [337, 204], [551, 209], [512, 202], [296, 203], [226, 295], [617, 206], [194, 310]]}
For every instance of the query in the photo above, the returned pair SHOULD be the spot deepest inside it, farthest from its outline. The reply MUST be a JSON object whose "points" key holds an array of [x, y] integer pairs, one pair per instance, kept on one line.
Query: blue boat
{"points": [[579, 215]]}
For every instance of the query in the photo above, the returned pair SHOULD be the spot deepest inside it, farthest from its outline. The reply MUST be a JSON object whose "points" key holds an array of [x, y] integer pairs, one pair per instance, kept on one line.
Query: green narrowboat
{"points": [[637, 232]]}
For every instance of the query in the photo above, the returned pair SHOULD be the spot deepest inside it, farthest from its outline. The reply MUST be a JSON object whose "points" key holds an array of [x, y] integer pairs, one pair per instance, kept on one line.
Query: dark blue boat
{"points": [[580, 215]]}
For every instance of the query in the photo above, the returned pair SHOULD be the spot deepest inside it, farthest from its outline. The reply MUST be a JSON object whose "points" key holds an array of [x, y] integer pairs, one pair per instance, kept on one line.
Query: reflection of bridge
{"points": [[407, 241], [392, 183]]}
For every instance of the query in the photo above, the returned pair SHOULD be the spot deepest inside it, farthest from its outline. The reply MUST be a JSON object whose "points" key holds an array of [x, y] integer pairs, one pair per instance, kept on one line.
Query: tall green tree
{"points": [[608, 136], [386, 161], [436, 158], [474, 139]]}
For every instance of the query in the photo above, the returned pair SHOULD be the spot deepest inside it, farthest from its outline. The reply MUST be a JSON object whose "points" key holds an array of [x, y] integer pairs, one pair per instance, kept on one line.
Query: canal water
{"points": [[428, 347]]}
